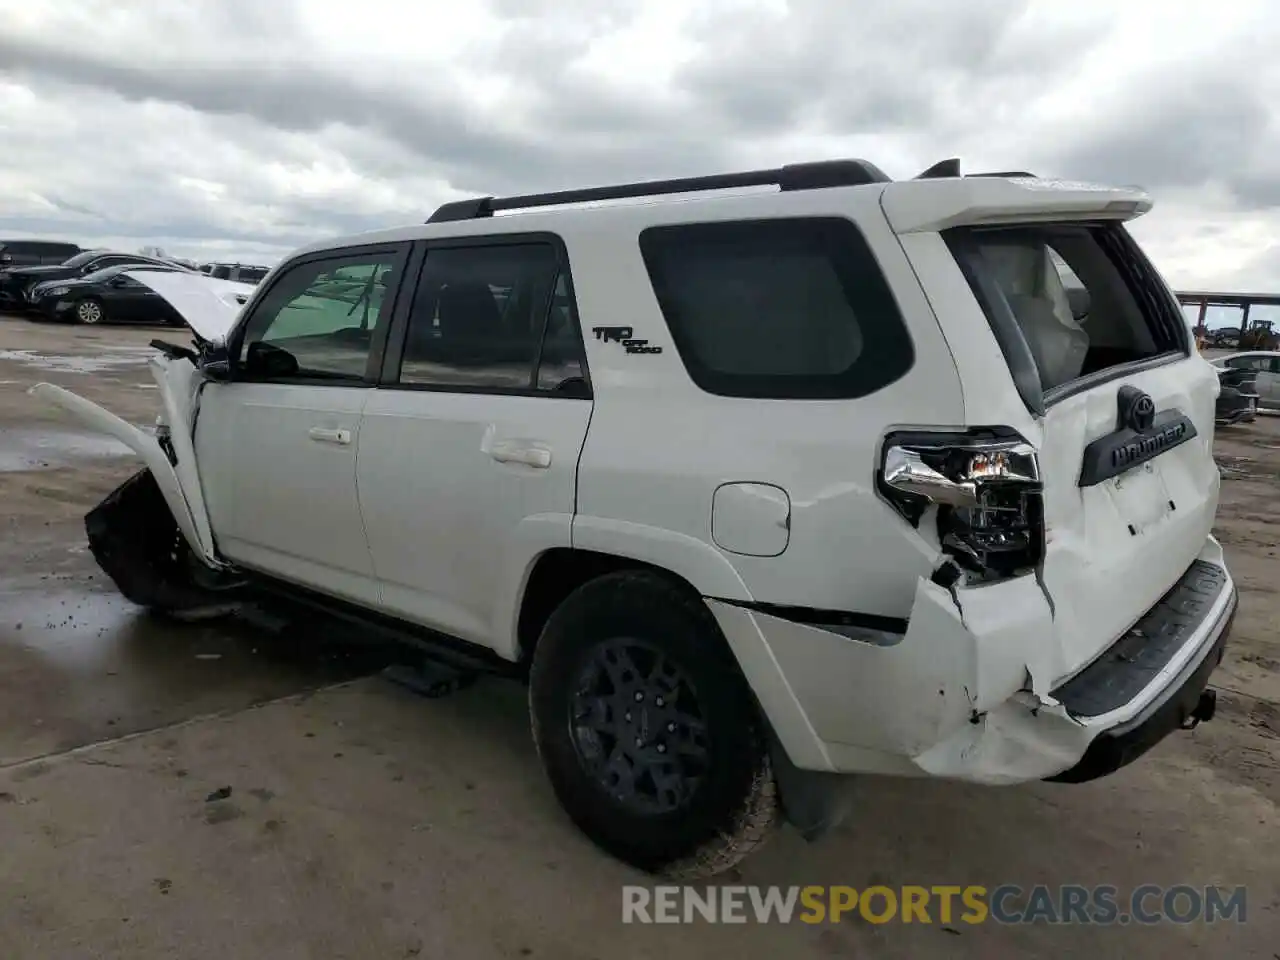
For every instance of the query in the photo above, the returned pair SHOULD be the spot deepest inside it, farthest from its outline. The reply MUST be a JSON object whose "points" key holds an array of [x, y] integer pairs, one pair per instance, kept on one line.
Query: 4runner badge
{"points": [[623, 336]]}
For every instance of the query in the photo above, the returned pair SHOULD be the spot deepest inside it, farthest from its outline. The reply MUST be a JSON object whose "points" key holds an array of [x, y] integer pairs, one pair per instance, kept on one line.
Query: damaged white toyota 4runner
{"points": [[756, 490]]}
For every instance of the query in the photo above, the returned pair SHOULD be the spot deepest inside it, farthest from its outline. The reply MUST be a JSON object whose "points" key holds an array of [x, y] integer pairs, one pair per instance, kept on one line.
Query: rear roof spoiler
{"points": [[940, 202]]}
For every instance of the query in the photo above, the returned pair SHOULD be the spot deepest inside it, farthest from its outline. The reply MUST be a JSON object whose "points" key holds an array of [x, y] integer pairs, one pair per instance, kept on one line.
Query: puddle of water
{"points": [[44, 449], [119, 357], [93, 667], [87, 630]]}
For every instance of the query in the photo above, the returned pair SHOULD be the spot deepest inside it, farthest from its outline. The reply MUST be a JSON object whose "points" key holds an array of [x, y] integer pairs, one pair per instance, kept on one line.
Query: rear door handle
{"points": [[330, 435], [530, 454]]}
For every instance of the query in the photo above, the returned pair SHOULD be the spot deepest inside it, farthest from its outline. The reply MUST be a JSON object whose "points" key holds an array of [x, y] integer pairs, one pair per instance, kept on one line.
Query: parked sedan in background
{"points": [[1266, 365], [106, 296], [17, 284]]}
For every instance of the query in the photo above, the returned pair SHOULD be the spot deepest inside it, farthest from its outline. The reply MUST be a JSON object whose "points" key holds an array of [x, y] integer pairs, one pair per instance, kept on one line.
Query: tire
{"points": [[137, 543], [697, 827], [90, 311]]}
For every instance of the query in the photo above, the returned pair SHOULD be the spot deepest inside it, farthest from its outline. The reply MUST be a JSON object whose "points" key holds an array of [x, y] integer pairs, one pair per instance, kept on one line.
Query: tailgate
{"points": [[1114, 546], [1096, 370]]}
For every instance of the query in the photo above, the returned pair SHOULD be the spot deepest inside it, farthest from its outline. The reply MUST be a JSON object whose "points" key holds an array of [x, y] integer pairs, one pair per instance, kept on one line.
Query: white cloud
{"points": [[234, 129]]}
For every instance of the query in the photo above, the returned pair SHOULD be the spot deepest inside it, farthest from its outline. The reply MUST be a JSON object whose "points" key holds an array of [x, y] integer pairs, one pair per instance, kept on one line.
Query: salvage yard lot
{"points": [[365, 822]]}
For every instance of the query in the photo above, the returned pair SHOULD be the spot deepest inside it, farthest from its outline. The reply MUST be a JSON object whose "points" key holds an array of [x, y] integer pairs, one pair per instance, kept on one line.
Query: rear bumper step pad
{"points": [[1124, 671]]}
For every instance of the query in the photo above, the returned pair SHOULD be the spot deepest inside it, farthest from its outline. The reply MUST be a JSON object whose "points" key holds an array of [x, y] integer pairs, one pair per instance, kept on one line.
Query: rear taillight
{"points": [[982, 486]]}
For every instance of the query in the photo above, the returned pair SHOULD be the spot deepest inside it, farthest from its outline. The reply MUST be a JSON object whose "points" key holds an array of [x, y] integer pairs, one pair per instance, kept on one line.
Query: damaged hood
{"points": [[210, 306]]}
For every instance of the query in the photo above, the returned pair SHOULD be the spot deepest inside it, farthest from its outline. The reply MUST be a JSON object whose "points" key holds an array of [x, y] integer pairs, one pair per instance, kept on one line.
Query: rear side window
{"points": [[494, 318], [1081, 299], [788, 308]]}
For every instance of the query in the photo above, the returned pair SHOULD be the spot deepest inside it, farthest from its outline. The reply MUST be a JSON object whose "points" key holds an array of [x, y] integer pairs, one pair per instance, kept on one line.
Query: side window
{"points": [[787, 308], [320, 317], [561, 366], [478, 317], [103, 262]]}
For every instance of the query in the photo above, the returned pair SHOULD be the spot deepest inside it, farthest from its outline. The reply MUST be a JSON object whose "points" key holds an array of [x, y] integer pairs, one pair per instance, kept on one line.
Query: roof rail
{"points": [[793, 176], [1003, 173]]}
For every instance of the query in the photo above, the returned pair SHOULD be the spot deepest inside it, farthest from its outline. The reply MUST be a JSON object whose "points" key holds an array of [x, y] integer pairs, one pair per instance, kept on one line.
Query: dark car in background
{"points": [[35, 253], [106, 296], [17, 283]]}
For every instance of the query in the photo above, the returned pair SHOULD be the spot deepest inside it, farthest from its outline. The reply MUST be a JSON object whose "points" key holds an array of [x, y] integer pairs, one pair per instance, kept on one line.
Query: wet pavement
{"points": [[78, 663], [78, 666], [114, 357], [212, 790], [29, 449]]}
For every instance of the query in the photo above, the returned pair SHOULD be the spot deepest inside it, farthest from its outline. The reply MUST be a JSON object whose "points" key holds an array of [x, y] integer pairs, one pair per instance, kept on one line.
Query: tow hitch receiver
{"points": [[1203, 711]]}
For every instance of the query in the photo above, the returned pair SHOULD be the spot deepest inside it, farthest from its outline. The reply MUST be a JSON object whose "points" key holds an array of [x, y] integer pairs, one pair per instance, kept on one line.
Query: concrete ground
{"points": [[357, 820]]}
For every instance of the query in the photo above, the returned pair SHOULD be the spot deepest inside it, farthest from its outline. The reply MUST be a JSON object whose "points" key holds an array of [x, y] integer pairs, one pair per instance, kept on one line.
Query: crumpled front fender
{"points": [[179, 481]]}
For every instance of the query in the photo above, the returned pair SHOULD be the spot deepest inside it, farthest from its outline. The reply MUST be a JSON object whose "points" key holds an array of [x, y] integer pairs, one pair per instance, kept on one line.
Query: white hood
{"points": [[209, 305]]}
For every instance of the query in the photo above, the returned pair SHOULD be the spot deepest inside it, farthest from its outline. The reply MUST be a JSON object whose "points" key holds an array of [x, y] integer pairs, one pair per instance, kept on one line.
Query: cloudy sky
{"points": [[243, 128]]}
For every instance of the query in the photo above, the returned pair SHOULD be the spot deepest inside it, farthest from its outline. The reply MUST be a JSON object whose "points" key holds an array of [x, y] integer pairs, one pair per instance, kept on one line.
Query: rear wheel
{"points": [[648, 733], [90, 311]]}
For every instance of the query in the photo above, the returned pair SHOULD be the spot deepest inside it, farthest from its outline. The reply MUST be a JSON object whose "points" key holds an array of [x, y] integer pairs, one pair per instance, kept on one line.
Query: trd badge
{"points": [[623, 336]]}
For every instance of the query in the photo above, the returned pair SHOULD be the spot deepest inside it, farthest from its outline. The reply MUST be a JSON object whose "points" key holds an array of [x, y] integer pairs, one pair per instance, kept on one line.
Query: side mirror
{"points": [[219, 370], [215, 362], [118, 281]]}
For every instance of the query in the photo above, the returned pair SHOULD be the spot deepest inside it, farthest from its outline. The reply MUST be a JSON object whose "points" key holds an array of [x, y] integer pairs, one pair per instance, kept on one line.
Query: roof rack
{"points": [[793, 176]]}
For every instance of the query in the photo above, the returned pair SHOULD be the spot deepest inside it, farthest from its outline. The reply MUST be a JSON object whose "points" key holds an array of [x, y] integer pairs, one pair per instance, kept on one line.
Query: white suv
{"points": [[829, 475]]}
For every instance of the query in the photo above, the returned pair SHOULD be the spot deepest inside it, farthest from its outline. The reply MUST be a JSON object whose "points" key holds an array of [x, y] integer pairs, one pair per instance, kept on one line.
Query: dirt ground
{"points": [[362, 821]]}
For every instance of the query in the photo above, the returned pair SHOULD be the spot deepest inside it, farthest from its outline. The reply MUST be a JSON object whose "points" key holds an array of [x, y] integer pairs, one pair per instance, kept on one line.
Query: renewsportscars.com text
{"points": [[938, 904]]}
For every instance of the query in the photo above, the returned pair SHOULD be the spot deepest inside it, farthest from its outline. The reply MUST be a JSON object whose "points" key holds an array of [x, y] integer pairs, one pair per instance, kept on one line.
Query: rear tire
{"points": [[648, 733]]}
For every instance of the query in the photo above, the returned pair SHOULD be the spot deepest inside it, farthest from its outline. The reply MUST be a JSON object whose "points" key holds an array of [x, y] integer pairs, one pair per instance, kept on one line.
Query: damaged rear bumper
{"points": [[972, 691]]}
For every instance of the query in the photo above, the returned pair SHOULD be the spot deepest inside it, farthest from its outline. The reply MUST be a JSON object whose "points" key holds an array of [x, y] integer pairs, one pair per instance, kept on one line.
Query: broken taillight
{"points": [[986, 487]]}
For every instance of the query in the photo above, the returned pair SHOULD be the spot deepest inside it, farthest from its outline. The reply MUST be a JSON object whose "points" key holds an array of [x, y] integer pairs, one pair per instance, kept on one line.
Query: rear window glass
{"points": [[788, 308], [1083, 299]]}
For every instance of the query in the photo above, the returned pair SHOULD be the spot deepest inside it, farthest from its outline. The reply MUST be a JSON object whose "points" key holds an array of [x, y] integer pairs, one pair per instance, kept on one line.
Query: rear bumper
{"points": [[958, 696], [1185, 701]]}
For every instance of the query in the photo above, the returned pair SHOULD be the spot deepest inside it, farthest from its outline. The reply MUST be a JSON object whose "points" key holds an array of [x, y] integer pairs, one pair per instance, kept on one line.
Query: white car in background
{"points": [[1266, 365]]}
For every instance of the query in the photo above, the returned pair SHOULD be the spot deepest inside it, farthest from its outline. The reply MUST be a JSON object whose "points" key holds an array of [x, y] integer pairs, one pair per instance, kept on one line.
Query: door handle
{"points": [[327, 435], [530, 454]]}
